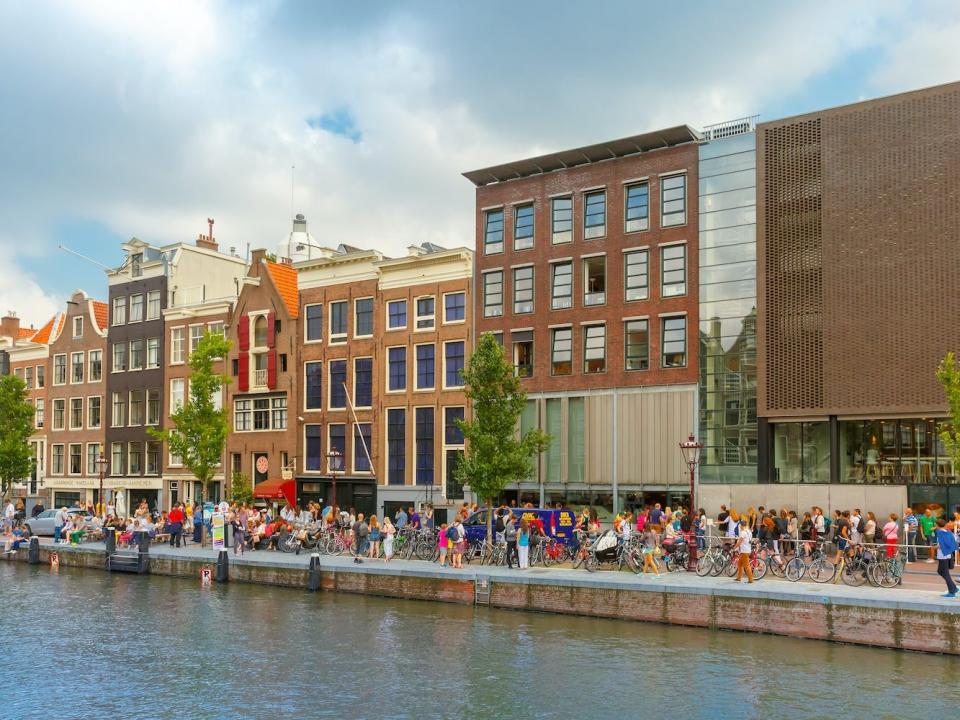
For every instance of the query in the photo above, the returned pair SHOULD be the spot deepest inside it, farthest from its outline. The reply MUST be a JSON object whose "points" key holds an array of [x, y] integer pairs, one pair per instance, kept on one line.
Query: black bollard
{"points": [[223, 567], [313, 579], [33, 553], [143, 543], [110, 540]]}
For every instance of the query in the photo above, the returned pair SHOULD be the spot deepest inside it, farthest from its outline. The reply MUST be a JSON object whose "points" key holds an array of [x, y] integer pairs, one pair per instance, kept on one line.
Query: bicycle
{"points": [[887, 572], [757, 563]]}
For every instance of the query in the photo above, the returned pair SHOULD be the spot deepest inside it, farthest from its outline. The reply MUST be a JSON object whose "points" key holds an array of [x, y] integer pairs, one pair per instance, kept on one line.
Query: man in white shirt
{"points": [[743, 545], [855, 535], [9, 512], [59, 520], [288, 514], [818, 521]]}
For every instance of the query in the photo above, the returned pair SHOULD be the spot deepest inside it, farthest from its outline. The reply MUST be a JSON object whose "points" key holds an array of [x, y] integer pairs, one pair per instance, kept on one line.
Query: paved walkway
{"points": [[909, 597]]}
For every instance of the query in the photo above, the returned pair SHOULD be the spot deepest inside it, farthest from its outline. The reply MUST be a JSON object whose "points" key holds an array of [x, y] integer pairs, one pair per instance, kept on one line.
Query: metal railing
{"points": [[259, 378]]}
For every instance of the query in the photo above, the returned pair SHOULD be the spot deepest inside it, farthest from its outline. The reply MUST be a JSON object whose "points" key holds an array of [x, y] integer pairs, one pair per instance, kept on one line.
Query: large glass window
{"points": [[396, 368], [153, 352], [493, 232], [523, 353], [424, 445], [453, 363], [314, 329], [363, 382], [339, 312], [363, 308], [313, 372], [561, 211], [523, 290], [338, 378], [561, 351], [425, 366], [76, 367], [801, 452], [594, 215], [59, 369], [119, 311], [136, 355], [177, 345], [523, 227], [595, 280], [576, 440], [637, 211], [893, 451], [594, 348], [396, 314], [362, 442], [153, 305], [673, 200], [493, 293], [561, 285], [314, 456], [636, 275], [119, 357], [454, 307], [337, 434], [673, 263], [453, 435], [637, 343], [426, 313], [396, 446], [136, 308], [673, 341]]}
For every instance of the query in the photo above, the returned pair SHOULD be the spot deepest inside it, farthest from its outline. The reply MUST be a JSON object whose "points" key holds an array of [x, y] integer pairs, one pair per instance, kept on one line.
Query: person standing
{"points": [[890, 532], [743, 559], [510, 535], [650, 538], [360, 533], [9, 512], [523, 544], [401, 519], [197, 522], [374, 538], [37, 509], [928, 524], [870, 532], [455, 535], [443, 544], [388, 532], [59, 520], [945, 548], [910, 529]]}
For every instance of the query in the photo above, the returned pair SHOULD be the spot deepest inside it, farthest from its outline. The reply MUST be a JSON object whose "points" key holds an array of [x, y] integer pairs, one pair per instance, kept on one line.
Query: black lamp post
{"points": [[102, 468], [691, 456], [334, 465]]}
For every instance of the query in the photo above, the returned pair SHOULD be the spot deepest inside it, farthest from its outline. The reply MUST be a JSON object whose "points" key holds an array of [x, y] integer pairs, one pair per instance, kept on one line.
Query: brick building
{"points": [[586, 269], [75, 402]]}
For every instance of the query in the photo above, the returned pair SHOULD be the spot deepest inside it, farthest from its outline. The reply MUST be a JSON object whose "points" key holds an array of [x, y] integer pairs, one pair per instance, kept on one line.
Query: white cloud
{"points": [[21, 294]]}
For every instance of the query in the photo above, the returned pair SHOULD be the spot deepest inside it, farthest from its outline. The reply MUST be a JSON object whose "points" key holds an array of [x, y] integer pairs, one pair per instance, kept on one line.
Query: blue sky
{"points": [[123, 119]]}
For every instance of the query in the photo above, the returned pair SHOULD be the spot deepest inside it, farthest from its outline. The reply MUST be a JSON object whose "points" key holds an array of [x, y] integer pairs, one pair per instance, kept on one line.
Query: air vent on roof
{"points": [[729, 128]]}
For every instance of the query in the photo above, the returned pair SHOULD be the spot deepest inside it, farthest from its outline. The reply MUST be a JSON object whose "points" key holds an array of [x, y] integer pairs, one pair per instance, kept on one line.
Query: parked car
{"points": [[43, 523]]}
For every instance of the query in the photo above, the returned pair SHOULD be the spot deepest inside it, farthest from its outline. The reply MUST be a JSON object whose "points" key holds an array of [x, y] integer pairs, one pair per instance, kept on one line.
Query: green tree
{"points": [[240, 491], [16, 427], [496, 454], [948, 373], [199, 432]]}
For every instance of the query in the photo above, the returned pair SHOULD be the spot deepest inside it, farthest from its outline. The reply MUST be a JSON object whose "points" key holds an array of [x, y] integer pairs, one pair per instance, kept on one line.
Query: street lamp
{"points": [[102, 467], [334, 465], [691, 456]]}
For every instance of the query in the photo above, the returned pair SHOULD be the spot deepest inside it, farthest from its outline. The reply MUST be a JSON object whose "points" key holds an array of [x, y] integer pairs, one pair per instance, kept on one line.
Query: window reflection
{"points": [[893, 451]]}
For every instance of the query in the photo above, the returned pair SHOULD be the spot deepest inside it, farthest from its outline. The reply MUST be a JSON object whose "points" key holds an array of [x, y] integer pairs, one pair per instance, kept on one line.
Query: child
{"points": [[442, 545]]}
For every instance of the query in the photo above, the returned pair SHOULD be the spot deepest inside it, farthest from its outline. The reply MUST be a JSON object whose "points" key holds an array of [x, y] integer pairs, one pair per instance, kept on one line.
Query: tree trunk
{"points": [[490, 521], [203, 525]]}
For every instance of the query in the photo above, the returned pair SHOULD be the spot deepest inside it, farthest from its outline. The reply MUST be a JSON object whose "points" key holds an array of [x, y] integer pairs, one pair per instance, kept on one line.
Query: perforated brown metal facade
{"points": [[859, 256]]}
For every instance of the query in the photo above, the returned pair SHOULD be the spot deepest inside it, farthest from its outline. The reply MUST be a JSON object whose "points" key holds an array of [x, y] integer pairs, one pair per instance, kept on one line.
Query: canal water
{"points": [[87, 644]]}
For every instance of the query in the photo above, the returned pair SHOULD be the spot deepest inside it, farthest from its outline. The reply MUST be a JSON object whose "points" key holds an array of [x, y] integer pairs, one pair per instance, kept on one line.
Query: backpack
{"points": [[499, 524], [826, 525], [862, 525], [453, 535]]}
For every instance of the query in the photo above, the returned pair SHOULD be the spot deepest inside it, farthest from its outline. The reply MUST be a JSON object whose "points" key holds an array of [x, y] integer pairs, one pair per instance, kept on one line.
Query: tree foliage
{"points": [[199, 432], [240, 490], [16, 427], [496, 454], [948, 373]]}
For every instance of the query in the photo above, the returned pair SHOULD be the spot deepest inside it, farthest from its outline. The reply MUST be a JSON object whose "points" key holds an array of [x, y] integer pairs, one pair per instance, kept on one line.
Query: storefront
{"points": [[358, 492]]}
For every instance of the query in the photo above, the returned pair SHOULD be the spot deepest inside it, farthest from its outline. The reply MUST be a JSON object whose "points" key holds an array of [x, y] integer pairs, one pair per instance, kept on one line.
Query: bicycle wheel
{"points": [[777, 566], [760, 569], [892, 573], [591, 563], [549, 558], [288, 544], [730, 568], [821, 570], [854, 574], [704, 565], [795, 570]]}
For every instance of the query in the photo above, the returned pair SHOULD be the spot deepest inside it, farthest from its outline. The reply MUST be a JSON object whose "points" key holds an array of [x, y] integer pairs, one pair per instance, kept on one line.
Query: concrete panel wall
{"points": [[882, 500]]}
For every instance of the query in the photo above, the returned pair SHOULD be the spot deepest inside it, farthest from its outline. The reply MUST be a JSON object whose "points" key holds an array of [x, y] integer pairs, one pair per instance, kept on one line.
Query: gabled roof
{"points": [[50, 331], [285, 278], [101, 313], [27, 333]]}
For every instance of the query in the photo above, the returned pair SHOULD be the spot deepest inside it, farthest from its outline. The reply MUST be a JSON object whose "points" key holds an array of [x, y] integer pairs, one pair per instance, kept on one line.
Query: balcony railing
{"points": [[259, 378]]}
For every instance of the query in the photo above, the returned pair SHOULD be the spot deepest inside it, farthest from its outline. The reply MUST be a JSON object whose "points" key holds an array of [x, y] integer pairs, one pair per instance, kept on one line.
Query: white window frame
{"points": [[465, 308], [90, 366], [149, 300], [417, 317], [113, 411], [416, 370], [406, 314], [90, 425], [444, 364], [118, 303], [143, 308], [353, 445], [183, 393], [337, 338], [356, 317], [63, 459], [307, 340], [178, 341], [73, 358], [406, 370], [329, 376], [373, 372], [92, 470], [147, 363], [77, 327], [53, 414], [69, 419], [66, 369]]}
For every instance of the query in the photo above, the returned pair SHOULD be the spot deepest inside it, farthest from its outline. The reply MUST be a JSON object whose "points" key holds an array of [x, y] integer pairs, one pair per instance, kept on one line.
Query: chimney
{"points": [[10, 326], [208, 242]]}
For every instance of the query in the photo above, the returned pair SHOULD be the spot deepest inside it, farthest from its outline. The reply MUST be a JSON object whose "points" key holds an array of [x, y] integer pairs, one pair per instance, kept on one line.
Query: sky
{"points": [[122, 119]]}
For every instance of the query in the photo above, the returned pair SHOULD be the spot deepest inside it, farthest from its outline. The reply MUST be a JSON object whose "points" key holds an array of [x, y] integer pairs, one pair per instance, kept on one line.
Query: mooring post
{"points": [[33, 553], [313, 579], [223, 567]]}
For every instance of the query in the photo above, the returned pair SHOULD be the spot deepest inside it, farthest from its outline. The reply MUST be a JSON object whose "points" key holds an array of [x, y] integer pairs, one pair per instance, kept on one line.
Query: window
{"points": [[260, 414], [594, 215], [59, 413], [314, 325], [561, 351], [522, 290], [453, 364], [523, 227], [424, 445], [312, 448], [136, 264], [59, 369], [76, 459], [425, 366], [196, 335], [176, 345], [153, 305], [396, 314], [78, 327], [136, 407], [673, 200], [637, 211], [362, 442], [426, 313], [523, 354], [595, 281], [363, 382], [96, 366], [136, 354], [242, 415], [76, 368], [636, 344], [278, 408], [338, 379], [119, 311], [153, 352], [674, 341], [116, 458], [18, 373], [260, 331], [673, 260], [338, 321], [454, 307], [493, 293], [40, 375], [28, 377], [135, 458], [313, 399], [93, 454], [396, 446], [452, 434], [561, 285], [153, 458], [118, 417], [493, 232], [396, 368], [561, 212], [38, 418], [76, 413], [177, 394], [56, 460], [595, 348], [363, 317], [93, 413], [635, 280], [217, 328], [136, 308], [337, 440]]}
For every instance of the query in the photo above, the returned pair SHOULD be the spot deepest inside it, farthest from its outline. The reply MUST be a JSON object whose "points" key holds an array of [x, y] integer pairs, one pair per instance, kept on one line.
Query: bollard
{"points": [[33, 553], [143, 543], [223, 567], [110, 540], [313, 579]]}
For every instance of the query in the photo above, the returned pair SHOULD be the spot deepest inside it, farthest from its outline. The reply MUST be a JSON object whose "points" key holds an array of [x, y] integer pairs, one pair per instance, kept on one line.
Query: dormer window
{"points": [[136, 264]]}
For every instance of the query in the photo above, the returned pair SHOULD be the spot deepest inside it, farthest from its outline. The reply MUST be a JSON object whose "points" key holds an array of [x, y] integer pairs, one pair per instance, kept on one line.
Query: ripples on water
{"points": [[119, 646]]}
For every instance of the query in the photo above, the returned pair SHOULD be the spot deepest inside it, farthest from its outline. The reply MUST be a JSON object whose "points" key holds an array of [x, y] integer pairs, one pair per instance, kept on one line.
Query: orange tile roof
{"points": [[285, 279], [101, 314], [50, 331], [27, 333]]}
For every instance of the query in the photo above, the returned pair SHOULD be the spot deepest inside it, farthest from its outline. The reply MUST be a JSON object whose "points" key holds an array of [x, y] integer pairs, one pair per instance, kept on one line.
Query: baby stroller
{"points": [[607, 549]]}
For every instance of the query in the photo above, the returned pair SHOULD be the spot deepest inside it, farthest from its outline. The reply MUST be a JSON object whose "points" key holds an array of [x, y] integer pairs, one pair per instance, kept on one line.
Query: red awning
{"points": [[277, 490]]}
